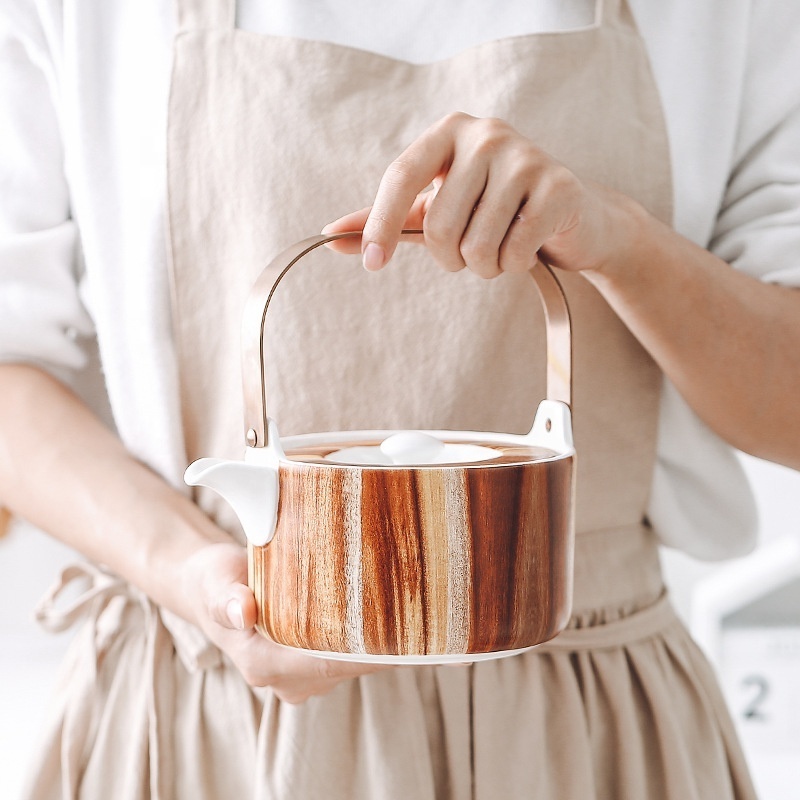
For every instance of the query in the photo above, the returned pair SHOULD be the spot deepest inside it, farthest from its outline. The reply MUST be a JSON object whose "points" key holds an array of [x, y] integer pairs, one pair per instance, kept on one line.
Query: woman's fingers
{"points": [[317, 676], [355, 222], [492, 219], [448, 210], [217, 576], [292, 675], [544, 215], [497, 201], [520, 246], [236, 607], [349, 222], [427, 158], [226, 611]]}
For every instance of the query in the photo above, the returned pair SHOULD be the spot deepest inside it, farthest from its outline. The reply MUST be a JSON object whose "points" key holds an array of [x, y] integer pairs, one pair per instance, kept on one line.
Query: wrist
{"points": [[629, 227], [162, 565], [158, 530]]}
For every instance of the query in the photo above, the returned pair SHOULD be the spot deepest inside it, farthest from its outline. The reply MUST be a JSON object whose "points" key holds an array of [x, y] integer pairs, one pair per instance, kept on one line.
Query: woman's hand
{"points": [[225, 610], [498, 202], [729, 343]]}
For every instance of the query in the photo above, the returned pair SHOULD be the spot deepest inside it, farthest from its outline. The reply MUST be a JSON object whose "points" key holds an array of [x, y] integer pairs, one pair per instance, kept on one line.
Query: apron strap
{"points": [[194, 15], [614, 12]]}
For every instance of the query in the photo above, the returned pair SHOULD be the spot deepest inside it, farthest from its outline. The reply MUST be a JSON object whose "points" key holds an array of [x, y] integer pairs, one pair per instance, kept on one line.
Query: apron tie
{"points": [[642, 624], [110, 604], [103, 596]]}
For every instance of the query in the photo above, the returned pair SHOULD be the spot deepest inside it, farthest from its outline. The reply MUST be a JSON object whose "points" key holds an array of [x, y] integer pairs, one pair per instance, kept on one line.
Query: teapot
{"points": [[405, 547]]}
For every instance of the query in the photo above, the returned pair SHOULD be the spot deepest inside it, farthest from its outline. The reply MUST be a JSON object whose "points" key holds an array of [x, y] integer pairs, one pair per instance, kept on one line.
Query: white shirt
{"points": [[83, 98]]}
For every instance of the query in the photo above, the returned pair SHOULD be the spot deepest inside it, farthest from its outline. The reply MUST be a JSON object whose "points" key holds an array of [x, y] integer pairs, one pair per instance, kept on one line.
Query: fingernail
{"points": [[326, 228], [235, 614], [374, 257]]}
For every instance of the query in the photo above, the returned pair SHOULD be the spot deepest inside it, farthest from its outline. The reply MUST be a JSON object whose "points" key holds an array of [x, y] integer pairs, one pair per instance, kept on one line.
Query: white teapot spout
{"points": [[250, 489]]}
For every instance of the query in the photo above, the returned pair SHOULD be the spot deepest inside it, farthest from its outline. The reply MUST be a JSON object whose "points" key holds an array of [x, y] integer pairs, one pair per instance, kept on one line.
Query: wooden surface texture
{"points": [[410, 561]]}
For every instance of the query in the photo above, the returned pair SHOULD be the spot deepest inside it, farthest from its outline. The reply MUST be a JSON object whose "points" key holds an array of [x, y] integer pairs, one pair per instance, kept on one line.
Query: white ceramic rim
{"points": [[430, 660], [487, 438]]}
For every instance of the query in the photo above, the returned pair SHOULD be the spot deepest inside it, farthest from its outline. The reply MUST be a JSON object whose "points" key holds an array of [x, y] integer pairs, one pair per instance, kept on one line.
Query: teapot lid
{"points": [[412, 448]]}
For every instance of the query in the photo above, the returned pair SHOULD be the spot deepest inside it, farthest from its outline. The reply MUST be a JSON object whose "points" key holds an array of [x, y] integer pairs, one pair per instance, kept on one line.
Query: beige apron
{"points": [[269, 139]]}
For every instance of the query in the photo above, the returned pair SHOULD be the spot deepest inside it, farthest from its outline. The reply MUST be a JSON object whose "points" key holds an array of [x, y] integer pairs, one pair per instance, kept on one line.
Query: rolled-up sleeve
{"points": [[700, 501], [758, 228], [42, 318]]}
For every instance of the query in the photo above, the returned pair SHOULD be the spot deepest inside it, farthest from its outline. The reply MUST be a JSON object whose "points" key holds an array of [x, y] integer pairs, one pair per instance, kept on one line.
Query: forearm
{"points": [[64, 471], [730, 343]]}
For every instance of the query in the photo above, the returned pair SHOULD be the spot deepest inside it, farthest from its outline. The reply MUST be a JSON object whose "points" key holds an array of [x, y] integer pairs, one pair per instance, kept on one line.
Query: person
{"points": [[508, 138]]}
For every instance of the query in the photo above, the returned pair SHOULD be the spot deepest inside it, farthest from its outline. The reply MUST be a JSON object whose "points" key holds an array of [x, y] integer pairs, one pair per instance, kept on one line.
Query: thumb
{"points": [[233, 606]]}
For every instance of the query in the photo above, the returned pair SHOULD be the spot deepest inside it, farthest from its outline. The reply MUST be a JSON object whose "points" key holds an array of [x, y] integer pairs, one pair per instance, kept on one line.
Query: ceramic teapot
{"points": [[405, 546]]}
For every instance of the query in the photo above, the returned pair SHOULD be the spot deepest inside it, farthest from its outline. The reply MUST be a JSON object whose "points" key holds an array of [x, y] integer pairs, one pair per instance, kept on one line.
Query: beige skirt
{"points": [[622, 706]]}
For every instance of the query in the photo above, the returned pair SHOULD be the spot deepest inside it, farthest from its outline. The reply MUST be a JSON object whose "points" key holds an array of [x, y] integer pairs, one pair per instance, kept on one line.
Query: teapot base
{"points": [[411, 660]]}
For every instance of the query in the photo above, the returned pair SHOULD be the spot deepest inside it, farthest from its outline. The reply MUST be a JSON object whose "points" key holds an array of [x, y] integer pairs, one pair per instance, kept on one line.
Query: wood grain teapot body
{"points": [[423, 559]]}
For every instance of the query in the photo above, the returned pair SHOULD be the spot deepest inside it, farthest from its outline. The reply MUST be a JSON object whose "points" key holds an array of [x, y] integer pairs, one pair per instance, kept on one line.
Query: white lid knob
{"points": [[412, 447]]}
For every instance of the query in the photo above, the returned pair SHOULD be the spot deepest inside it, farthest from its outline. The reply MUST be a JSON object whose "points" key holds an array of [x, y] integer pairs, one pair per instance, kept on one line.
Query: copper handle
{"points": [[551, 293]]}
